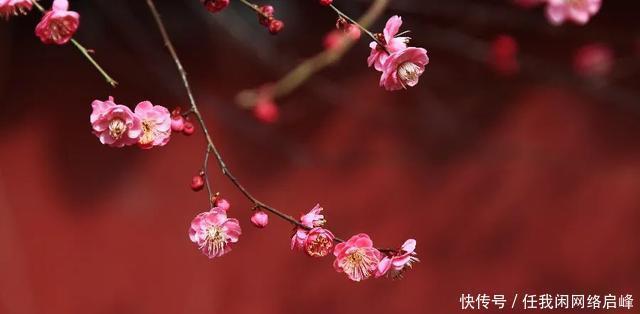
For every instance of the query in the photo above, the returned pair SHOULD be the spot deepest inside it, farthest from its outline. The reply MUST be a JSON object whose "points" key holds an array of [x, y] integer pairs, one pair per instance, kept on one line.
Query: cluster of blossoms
{"points": [[559, 11], [117, 126], [401, 65], [214, 232]]}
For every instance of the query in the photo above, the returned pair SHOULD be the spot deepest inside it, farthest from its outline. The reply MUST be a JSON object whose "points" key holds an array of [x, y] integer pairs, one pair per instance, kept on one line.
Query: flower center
{"points": [[215, 240], [409, 72], [358, 265], [117, 127], [148, 132], [320, 246], [60, 28]]}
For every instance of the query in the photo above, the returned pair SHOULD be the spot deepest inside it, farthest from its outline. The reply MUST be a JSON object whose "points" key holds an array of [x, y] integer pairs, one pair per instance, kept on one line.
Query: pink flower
{"points": [[357, 257], [266, 111], [337, 38], [313, 218], [395, 265], [115, 125], [403, 68], [14, 7], [58, 25], [260, 219], [221, 203], [318, 242], [594, 60], [156, 125], [578, 11], [379, 54], [213, 232], [298, 239]]}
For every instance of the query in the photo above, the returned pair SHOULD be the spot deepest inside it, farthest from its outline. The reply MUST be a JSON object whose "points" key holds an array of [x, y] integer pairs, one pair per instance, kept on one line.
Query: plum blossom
{"points": [[392, 44], [394, 266], [58, 25], [310, 220], [403, 68], [213, 232], [14, 7], [313, 218], [594, 60], [260, 219], [318, 242], [357, 257], [115, 125], [156, 125], [298, 239], [578, 11]]}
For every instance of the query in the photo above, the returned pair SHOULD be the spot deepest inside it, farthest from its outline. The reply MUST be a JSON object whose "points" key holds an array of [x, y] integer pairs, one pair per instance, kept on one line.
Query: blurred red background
{"points": [[520, 184]]}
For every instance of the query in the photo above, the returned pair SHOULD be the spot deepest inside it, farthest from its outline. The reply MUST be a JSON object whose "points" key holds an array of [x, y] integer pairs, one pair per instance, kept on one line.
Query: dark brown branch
{"points": [[211, 148]]}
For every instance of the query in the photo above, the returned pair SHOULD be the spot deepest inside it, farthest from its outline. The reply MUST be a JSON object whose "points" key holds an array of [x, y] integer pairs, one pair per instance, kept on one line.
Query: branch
{"points": [[309, 67], [211, 148], [84, 52]]}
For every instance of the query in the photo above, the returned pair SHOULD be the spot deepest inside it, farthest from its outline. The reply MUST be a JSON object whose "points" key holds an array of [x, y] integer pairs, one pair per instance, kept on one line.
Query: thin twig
{"points": [[84, 52], [209, 142], [309, 67]]}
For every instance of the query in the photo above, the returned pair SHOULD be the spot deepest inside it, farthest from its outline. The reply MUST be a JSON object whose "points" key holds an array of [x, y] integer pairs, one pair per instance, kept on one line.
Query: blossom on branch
{"points": [[115, 125], [318, 242], [390, 43], [357, 257], [403, 68], [58, 25], [156, 125], [214, 232], [393, 266]]}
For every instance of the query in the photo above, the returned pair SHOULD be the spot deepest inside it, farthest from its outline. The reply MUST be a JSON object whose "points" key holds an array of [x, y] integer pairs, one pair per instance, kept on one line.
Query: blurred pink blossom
{"points": [[115, 125], [578, 11], [594, 60], [58, 25], [213, 232], [357, 257]]}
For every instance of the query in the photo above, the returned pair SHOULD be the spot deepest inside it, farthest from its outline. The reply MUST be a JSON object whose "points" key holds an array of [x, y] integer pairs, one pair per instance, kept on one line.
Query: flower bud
{"points": [[197, 182], [215, 6], [177, 123], [275, 26], [188, 128], [260, 219], [266, 111]]}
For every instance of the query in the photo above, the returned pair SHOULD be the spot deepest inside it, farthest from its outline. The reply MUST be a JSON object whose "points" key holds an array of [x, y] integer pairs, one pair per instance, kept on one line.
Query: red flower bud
{"points": [[197, 182], [275, 26]]}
